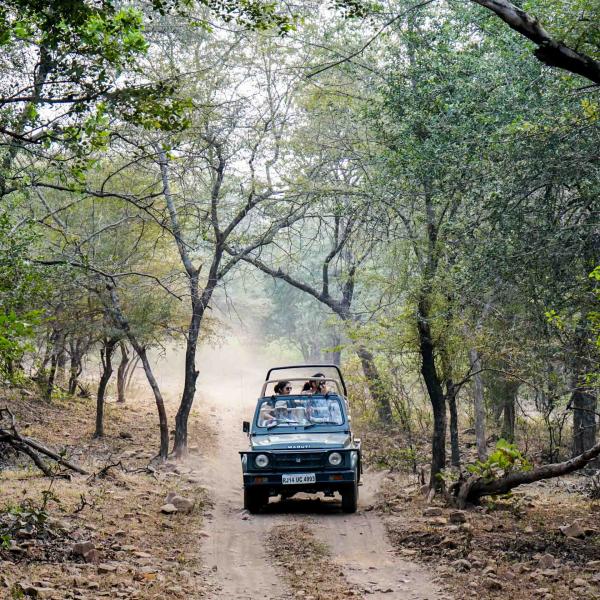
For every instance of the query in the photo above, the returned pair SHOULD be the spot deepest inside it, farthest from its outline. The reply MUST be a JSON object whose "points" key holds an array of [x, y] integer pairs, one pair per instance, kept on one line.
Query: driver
{"points": [[282, 413]]}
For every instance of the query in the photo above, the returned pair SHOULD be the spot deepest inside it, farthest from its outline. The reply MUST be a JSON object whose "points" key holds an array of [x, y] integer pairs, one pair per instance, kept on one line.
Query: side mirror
{"points": [[246, 427]]}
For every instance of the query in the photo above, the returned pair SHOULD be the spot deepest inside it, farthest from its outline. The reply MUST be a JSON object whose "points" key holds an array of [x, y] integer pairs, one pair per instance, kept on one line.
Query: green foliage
{"points": [[29, 516], [20, 286], [505, 459], [573, 22], [15, 331]]}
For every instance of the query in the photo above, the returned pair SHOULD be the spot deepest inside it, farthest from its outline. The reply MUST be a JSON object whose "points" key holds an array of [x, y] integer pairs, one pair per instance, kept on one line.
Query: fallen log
{"points": [[30, 447], [471, 490]]}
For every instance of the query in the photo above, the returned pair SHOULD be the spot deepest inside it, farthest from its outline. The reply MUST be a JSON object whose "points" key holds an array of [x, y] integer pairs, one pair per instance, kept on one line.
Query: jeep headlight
{"points": [[335, 459], [261, 460], [354, 458], [244, 460]]}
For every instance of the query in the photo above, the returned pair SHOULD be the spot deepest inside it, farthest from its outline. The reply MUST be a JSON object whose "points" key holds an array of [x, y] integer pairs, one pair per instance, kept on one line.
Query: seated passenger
{"points": [[282, 413], [266, 416], [317, 386], [283, 388], [335, 414], [318, 411]]}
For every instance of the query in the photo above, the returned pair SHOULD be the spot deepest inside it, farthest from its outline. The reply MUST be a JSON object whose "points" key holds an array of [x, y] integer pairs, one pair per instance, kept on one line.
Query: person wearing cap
{"points": [[280, 414]]}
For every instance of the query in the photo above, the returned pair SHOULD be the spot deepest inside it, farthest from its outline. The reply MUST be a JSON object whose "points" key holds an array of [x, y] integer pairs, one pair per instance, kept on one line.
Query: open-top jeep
{"points": [[301, 439]]}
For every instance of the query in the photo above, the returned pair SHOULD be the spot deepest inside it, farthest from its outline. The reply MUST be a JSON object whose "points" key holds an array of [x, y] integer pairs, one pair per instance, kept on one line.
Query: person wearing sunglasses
{"points": [[283, 388]]}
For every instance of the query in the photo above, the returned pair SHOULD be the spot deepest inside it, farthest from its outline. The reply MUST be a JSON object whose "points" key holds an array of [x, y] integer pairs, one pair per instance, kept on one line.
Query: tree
{"points": [[549, 50], [574, 47], [20, 284]]}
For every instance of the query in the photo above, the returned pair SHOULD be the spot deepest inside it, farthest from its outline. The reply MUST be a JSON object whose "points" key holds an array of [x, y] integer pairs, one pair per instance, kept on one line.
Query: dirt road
{"points": [[234, 547]]}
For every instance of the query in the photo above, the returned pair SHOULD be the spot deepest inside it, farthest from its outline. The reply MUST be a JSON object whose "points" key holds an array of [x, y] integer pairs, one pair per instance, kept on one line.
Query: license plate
{"points": [[298, 478]]}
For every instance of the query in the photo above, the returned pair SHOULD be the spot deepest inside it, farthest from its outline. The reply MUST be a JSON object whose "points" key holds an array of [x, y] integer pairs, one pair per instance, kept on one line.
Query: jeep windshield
{"points": [[299, 412]]}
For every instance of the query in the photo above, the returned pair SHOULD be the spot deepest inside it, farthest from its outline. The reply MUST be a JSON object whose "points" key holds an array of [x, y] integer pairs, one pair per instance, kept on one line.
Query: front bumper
{"points": [[325, 480]]}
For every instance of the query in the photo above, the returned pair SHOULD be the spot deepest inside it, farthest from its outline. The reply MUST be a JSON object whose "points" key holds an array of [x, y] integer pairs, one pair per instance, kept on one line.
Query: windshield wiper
{"points": [[283, 423], [313, 423]]}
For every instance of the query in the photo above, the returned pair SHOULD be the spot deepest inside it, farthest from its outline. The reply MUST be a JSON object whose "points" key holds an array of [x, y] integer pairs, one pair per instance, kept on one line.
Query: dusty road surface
{"points": [[234, 548]]}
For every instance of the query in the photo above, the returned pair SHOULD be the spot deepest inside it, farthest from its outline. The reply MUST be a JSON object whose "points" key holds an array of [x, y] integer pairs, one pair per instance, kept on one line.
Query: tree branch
{"points": [[549, 51]]}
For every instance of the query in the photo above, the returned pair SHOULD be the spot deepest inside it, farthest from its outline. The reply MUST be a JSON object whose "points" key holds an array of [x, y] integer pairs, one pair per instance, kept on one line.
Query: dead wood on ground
{"points": [[470, 490], [9, 434]]}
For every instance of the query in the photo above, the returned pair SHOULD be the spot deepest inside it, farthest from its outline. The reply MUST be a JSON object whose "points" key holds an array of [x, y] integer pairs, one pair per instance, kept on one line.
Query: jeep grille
{"points": [[299, 460]]}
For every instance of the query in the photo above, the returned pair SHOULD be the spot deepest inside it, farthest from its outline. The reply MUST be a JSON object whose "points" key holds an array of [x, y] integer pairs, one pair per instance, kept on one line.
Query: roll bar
{"points": [[321, 366], [326, 379]]}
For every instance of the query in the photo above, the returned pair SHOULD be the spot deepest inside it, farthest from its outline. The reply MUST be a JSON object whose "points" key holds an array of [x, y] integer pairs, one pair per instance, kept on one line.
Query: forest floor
{"points": [[136, 550], [543, 543]]}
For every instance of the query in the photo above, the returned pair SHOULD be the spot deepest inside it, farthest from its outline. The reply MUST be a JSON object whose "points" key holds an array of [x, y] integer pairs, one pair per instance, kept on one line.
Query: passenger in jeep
{"points": [[283, 388]]}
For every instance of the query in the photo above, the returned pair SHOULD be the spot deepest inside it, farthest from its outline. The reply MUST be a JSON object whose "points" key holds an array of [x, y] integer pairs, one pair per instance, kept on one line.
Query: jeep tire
{"points": [[350, 498], [254, 499]]}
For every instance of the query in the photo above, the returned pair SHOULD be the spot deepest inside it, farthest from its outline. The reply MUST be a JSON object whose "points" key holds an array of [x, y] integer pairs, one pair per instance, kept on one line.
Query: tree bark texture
{"points": [[77, 350], [108, 347], [436, 395], [121, 371], [199, 305], [509, 403], [57, 341], [583, 403], [377, 387], [583, 399], [478, 404], [451, 394]]}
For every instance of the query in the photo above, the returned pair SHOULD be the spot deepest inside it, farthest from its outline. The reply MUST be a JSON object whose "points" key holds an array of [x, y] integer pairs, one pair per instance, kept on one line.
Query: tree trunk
{"points": [[454, 442], [478, 404], [336, 355], [40, 375], [160, 404], [61, 362], [583, 400], [121, 321], [583, 403], [549, 51], [51, 377], [125, 358], [436, 395], [57, 341], [76, 349], [130, 371], [376, 386], [191, 374], [108, 347], [509, 400]]}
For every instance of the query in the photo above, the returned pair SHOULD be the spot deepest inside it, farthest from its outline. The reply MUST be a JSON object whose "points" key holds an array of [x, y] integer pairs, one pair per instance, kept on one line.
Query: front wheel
{"points": [[253, 500], [350, 499]]}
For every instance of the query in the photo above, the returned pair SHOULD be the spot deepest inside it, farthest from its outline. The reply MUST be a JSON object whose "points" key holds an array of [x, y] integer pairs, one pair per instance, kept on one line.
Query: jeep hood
{"points": [[300, 441]]}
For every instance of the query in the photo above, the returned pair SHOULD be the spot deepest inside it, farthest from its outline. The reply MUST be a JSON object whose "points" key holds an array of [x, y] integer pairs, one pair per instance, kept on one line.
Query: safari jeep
{"points": [[301, 439]]}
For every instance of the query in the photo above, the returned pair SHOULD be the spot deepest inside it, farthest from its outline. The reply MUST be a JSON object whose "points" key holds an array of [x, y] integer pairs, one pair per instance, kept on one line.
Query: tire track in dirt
{"points": [[234, 550]]}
